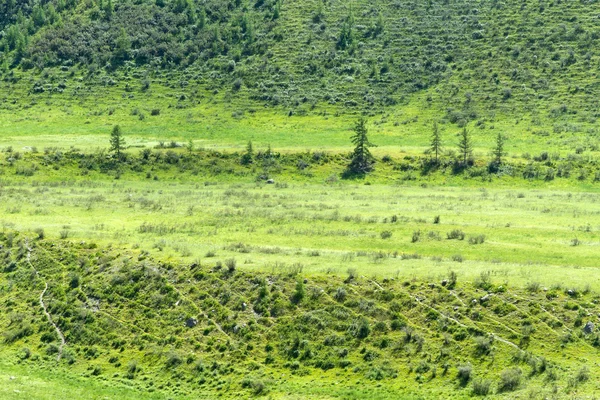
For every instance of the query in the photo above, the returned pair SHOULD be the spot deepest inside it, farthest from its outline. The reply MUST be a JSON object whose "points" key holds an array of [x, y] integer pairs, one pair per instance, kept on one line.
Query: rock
{"points": [[305, 281], [455, 308], [444, 282], [431, 285], [271, 181], [244, 306], [588, 328], [485, 298], [474, 301], [191, 322], [571, 292]]}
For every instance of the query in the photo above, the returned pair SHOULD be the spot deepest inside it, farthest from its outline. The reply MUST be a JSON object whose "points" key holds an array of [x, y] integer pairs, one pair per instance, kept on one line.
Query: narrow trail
{"points": [[422, 303], [63, 342], [56, 328], [200, 311]]}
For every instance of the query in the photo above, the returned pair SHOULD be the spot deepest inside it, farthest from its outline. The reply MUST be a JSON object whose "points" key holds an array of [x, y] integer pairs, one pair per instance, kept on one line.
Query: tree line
{"points": [[362, 160]]}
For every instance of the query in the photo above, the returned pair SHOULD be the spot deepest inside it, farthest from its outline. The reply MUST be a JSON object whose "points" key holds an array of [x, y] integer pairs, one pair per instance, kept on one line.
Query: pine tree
{"points": [[117, 142], [268, 162], [362, 159], [248, 156], [498, 152], [436, 142], [465, 146]]}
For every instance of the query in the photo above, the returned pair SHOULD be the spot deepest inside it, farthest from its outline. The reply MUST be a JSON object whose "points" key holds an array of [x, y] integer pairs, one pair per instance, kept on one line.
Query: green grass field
{"points": [[530, 231]]}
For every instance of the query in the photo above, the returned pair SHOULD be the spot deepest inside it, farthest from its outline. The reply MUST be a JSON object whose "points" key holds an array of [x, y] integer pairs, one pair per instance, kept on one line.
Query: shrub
{"points": [[40, 233], [351, 273], [457, 258], [340, 294], [510, 379], [452, 278], [481, 387], [416, 236], [583, 375], [257, 386], [479, 239], [299, 292], [456, 234], [484, 280], [465, 373], [483, 345], [386, 234], [173, 360], [533, 287], [231, 264], [360, 328]]}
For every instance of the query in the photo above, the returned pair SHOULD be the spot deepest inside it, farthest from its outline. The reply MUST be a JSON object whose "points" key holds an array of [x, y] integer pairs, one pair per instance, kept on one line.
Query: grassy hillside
{"points": [[275, 71], [133, 324], [187, 266]]}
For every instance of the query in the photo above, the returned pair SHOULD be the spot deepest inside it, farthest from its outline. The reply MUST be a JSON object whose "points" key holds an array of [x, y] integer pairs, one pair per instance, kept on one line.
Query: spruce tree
{"points": [[498, 152], [465, 146], [436, 142], [362, 159], [117, 142], [248, 156]]}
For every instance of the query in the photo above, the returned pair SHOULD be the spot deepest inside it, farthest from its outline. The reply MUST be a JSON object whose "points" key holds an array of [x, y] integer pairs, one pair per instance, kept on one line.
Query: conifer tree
{"points": [[362, 159], [248, 156], [436, 142], [465, 146], [498, 152], [117, 142]]}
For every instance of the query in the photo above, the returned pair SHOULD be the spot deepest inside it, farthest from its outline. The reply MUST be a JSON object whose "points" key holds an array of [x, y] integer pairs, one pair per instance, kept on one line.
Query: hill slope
{"points": [[196, 330], [473, 59]]}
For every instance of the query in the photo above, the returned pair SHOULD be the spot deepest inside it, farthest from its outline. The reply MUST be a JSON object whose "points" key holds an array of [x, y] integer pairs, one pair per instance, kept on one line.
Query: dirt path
{"points": [[43, 305], [56, 328]]}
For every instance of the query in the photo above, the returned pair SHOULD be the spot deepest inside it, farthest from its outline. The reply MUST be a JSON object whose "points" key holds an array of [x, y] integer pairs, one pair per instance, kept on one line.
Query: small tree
{"points": [[248, 156], [117, 142], [465, 146], [362, 159], [268, 162], [190, 146], [436, 142], [499, 152]]}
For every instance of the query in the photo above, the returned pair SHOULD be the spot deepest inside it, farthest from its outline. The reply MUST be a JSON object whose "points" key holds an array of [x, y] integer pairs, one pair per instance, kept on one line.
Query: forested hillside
{"points": [[474, 59]]}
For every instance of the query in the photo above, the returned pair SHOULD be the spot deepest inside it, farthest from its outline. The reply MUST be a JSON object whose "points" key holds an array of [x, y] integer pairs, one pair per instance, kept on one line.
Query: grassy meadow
{"points": [[406, 283], [407, 228]]}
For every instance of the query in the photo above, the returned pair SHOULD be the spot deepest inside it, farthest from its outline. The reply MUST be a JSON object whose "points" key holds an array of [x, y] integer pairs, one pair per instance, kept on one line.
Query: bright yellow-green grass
{"points": [[47, 383], [550, 236]]}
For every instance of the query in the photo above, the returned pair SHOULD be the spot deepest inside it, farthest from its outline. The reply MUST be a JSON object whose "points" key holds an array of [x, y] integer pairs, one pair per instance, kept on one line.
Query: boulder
{"points": [[191, 322], [271, 181], [588, 328]]}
